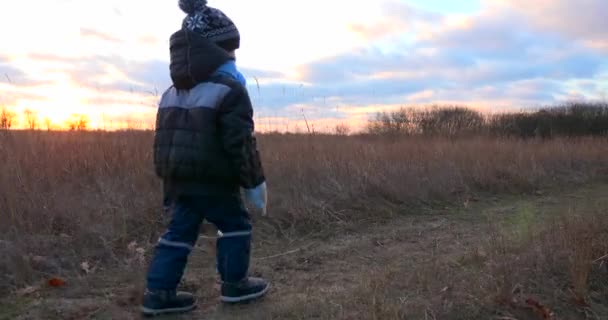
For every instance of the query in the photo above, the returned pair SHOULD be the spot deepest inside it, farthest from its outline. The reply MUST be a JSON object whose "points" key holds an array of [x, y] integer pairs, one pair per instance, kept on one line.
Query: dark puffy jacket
{"points": [[204, 142]]}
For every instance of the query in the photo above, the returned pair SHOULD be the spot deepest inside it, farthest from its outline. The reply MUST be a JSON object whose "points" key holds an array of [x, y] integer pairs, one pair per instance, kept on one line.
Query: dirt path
{"points": [[429, 265]]}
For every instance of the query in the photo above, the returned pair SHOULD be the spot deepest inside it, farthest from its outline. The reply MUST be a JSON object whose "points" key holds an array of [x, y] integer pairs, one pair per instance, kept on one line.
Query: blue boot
{"points": [[246, 290], [161, 302]]}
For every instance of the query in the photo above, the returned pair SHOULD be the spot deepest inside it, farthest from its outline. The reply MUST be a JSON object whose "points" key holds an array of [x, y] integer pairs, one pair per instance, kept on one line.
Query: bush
{"points": [[570, 120]]}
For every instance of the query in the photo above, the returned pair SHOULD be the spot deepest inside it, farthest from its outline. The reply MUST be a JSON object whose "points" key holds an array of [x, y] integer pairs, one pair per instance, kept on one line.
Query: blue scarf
{"points": [[229, 69]]}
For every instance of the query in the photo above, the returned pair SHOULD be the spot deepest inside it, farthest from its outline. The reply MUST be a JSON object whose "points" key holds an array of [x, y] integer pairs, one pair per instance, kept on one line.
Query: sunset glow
{"points": [[329, 61]]}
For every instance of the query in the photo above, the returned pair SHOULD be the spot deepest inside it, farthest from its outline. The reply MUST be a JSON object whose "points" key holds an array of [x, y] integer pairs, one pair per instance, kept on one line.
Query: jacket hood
{"points": [[194, 59]]}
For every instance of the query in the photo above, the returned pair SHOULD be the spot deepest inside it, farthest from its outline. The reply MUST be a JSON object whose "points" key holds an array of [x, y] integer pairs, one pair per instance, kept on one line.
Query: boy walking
{"points": [[205, 152]]}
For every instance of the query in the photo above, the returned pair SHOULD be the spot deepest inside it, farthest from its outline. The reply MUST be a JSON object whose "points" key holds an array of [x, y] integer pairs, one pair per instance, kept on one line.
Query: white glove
{"points": [[257, 197]]}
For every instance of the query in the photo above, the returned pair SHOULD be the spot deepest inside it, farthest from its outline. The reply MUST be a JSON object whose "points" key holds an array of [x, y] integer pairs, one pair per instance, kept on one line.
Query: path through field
{"points": [[433, 264]]}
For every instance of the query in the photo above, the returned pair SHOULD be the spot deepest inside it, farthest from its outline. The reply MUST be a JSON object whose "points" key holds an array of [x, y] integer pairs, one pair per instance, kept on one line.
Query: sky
{"points": [[329, 62]]}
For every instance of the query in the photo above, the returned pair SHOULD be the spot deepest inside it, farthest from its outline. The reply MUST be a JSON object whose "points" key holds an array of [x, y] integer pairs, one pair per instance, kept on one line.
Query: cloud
{"points": [[93, 34], [521, 93], [15, 76], [408, 62], [11, 97], [261, 74], [116, 73], [368, 72], [149, 40], [7, 71], [102, 72], [152, 74], [396, 18], [496, 55], [578, 20], [111, 74], [48, 57]]}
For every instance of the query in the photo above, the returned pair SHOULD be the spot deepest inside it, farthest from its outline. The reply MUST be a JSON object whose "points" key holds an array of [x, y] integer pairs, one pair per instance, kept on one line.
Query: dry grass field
{"points": [[360, 227]]}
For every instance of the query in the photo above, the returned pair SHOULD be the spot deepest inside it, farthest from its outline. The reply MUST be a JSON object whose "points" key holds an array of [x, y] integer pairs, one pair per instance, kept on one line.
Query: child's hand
{"points": [[258, 197]]}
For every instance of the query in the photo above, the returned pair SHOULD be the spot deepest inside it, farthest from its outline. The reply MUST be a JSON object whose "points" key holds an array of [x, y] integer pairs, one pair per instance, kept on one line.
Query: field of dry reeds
{"points": [[80, 203]]}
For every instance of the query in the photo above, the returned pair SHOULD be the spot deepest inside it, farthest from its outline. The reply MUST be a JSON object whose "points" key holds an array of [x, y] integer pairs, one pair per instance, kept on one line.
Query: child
{"points": [[205, 152]]}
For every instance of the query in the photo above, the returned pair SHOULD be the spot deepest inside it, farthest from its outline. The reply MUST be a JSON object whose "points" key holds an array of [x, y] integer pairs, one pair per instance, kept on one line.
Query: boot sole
{"points": [[247, 298], [147, 312]]}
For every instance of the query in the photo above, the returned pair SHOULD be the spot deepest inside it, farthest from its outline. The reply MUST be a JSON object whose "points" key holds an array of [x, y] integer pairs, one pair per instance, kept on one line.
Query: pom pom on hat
{"points": [[210, 23], [192, 6]]}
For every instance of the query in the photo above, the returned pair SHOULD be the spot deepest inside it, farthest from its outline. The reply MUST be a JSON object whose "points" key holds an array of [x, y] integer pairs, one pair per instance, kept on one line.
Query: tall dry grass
{"points": [[68, 197]]}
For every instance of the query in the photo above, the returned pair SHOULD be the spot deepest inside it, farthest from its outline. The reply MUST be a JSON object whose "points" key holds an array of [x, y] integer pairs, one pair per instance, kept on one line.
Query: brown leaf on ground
{"points": [[56, 282]]}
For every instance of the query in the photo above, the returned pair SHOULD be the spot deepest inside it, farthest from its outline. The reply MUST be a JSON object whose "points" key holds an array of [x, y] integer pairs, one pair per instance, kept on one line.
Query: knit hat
{"points": [[211, 23]]}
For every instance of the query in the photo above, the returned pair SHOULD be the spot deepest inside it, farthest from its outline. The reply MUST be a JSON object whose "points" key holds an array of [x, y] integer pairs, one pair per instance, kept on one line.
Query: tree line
{"points": [[569, 120], [31, 120]]}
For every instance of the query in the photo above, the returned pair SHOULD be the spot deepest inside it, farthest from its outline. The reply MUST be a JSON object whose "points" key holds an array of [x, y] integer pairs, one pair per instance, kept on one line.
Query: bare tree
{"points": [[31, 119], [7, 119], [78, 122], [342, 129]]}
